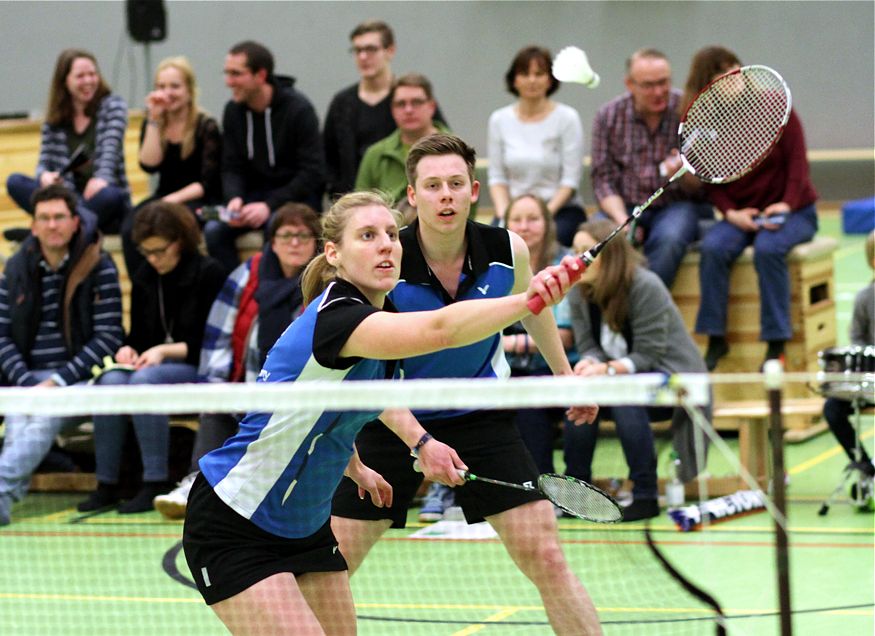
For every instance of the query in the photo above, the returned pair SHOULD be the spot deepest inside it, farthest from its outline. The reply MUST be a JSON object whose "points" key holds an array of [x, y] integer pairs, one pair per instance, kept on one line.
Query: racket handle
{"points": [[464, 474], [536, 303]]}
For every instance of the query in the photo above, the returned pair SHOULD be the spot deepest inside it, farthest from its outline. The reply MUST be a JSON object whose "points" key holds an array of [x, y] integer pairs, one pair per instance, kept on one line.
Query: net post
{"points": [[774, 372]]}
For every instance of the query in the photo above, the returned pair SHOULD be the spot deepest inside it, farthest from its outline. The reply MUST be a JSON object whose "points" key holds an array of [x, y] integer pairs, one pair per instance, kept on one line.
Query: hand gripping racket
{"points": [[727, 130], [574, 496]]}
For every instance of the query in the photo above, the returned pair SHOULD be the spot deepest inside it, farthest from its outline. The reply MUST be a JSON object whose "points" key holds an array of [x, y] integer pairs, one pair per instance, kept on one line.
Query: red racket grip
{"points": [[536, 303]]}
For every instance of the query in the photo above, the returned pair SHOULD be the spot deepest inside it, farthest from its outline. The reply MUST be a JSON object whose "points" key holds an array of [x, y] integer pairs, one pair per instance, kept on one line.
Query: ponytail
{"points": [[316, 276]]}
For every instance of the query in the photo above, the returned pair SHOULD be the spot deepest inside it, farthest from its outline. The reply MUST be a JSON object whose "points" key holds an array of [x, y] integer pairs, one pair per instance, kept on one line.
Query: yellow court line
{"points": [[825, 455], [495, 618]]}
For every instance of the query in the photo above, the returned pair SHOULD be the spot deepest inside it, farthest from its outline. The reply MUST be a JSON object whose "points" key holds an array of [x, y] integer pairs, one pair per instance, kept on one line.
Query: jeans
{"points": [[537, 428], [152, 431], [723, 244], [109, 206], [28, 439], [221, 242], [668, 233], [213, 430], [838, 414], [636, 439], [568, 218]]}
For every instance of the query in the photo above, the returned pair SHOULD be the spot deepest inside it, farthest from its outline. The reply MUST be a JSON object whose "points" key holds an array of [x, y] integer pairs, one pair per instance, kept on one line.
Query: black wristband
{"points": [[414, 452]]}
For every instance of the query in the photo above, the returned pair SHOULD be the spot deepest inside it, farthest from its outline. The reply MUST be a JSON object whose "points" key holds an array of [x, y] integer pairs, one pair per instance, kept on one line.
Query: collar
{"points": [[44, 264], [415, 269], [346, 288]]}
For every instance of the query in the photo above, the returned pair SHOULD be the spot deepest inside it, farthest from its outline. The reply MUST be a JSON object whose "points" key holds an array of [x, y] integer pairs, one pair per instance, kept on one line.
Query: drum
{"points": [[856, 360]]}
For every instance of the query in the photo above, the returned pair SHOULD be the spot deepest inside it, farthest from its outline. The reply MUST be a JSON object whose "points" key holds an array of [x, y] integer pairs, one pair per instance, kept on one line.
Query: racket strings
{"points": [[579, 498], [730, 126]]}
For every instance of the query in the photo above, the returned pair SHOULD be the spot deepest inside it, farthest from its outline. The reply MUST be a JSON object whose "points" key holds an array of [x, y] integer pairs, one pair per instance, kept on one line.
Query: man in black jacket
{"points": [[60, 314], [271, 152]]}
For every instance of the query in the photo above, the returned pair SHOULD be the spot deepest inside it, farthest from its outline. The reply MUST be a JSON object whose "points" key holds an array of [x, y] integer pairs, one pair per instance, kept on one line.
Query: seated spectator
{"points": [[271, 149], [171, 295], [536, 145], [257, 302], [838, 412], [625, 321], [60, 314], [359, 115], [384, 164], [635, 152], [180, 143], [771, 208], [83, 119]]}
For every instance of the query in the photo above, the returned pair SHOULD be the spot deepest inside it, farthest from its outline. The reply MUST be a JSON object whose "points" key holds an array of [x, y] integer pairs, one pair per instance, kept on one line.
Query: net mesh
{"points": [[734, 122], [579, 498], [106, 573]]}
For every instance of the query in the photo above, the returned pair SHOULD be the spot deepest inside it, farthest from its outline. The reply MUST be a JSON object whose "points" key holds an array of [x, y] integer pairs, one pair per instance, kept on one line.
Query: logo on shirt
{"points": [[483, 289]]}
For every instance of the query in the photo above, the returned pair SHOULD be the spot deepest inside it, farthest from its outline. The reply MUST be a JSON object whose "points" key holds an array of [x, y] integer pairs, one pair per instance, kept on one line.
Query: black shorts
{"points": [[487, 441], [227, 553]]}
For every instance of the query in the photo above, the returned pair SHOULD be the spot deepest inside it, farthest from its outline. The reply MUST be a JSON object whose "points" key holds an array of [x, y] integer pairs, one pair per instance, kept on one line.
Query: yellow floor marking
{"points": [[495, 618], [825, 455]]}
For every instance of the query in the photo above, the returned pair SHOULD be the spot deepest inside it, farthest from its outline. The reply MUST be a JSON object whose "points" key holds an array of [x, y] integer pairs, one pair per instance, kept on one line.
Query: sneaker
{"points": [[173, 504], [142, 501], [641, 509], [437, 500]]}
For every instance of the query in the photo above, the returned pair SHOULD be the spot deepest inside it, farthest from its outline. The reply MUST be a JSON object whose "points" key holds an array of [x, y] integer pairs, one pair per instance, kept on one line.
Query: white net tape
{"points": [[655, 389]]}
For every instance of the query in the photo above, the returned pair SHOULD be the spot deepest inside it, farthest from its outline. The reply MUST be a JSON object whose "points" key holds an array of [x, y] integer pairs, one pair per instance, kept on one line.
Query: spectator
{"points": [[271, 151], [625, 321], [83, 119], [413, 109], [536, 144], [60, 314], [634, 152], [360, 115], [838, 412], [180, 142], [171, 295], [257, 302], [771, 208]]}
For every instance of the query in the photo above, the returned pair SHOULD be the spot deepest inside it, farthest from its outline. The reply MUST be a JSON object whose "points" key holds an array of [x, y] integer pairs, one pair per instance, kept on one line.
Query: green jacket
{"points": [[383, 166]]}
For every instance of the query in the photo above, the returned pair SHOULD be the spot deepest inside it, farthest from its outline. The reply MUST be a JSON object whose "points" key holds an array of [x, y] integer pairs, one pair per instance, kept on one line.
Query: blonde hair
{"points": [[870, 248], [181, 64], [549, 246], [320, 272]]}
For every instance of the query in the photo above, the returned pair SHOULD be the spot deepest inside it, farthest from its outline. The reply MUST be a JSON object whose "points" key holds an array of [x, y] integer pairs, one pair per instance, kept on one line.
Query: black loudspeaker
{"points": [[147, 20]]}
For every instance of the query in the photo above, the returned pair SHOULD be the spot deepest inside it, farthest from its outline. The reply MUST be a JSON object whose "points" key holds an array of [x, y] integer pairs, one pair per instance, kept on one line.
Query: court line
{"points": [[825, 455]]}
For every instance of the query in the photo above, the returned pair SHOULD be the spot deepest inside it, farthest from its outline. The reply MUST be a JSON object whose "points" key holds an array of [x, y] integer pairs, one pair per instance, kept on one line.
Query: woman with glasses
{"points": [[536, 145], [259, 300], [171, 296]]}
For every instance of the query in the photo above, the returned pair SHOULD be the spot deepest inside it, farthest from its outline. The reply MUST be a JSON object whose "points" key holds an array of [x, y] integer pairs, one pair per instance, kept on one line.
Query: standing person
{"points": [[635, 151], [271, 150], [82, 115], [180, 143], [383, 166], [257, 302], [257, 536], [771, 208], [171, 295], [625, 321], [360, 114], [838, 412], [536, 144], [449, 258], [60, 314]]}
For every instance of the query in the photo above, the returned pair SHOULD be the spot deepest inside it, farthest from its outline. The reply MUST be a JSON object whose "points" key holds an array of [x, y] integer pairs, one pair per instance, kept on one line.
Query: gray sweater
{"points": [[863, 319]]}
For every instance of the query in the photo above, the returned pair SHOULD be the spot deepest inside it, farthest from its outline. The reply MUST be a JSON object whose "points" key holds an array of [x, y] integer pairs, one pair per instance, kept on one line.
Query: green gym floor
{"points": [[70, 574]]}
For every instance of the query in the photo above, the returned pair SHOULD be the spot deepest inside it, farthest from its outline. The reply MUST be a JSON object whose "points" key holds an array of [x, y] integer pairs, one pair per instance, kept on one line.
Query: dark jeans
{"points": [[568, 219], [538, 429], [109, 207], [213, 430], [838, 414]]}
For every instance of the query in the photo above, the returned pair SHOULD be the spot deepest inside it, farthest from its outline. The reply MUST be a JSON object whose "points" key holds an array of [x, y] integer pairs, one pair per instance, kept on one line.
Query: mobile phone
{"points": [[216, 213], [775, 219]]}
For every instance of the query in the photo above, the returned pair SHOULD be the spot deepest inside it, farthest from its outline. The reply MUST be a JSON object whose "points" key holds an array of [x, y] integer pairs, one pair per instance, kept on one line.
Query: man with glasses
{"points": [[271, 150], [635, 151], [60, 314], [360, 115], [384, 164]]}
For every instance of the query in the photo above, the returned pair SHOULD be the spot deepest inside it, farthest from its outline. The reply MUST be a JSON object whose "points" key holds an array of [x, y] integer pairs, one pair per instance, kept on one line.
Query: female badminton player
{"points": [[257, 536]]}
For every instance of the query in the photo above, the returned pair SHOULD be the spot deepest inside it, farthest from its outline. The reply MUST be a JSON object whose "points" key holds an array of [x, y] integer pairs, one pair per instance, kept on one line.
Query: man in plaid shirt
{"points": [[635, 151]]}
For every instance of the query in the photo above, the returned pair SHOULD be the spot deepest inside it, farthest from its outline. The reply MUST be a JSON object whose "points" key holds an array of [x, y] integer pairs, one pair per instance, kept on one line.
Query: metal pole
{"points": [[774, 370]]}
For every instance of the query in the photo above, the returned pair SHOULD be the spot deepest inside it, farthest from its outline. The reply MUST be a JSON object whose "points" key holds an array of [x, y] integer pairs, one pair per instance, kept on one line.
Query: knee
{"points": [[113, 378]]}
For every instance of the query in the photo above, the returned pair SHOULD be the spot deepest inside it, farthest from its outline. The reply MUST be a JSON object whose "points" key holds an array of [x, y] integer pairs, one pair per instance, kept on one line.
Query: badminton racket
{"points": [[727, 130], [574, 496]]}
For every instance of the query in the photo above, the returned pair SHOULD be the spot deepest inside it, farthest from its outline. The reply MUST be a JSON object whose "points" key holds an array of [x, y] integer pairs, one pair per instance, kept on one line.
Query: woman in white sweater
{"points": [[536, 145]]}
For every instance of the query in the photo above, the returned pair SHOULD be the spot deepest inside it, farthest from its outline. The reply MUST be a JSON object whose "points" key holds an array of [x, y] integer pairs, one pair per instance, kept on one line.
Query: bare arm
{"points": [[500, 196], [437, 461], [562, 196], [614, 206]]}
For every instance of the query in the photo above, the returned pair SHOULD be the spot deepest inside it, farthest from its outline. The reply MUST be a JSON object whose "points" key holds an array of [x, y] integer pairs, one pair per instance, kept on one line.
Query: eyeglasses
{"points": [[368, 49], [158, 251], [413, 103], [649, 86], [288, 237], [45, 219]]}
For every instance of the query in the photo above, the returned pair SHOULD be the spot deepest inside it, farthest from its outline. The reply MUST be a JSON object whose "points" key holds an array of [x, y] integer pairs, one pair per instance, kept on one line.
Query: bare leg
{"points": [[531, 537], [273, 606], [329, 596], [356, 537]]}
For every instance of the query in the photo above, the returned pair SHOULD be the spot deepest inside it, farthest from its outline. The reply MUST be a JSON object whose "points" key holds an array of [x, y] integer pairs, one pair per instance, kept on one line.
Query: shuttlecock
{"points": [[572, 65]]}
